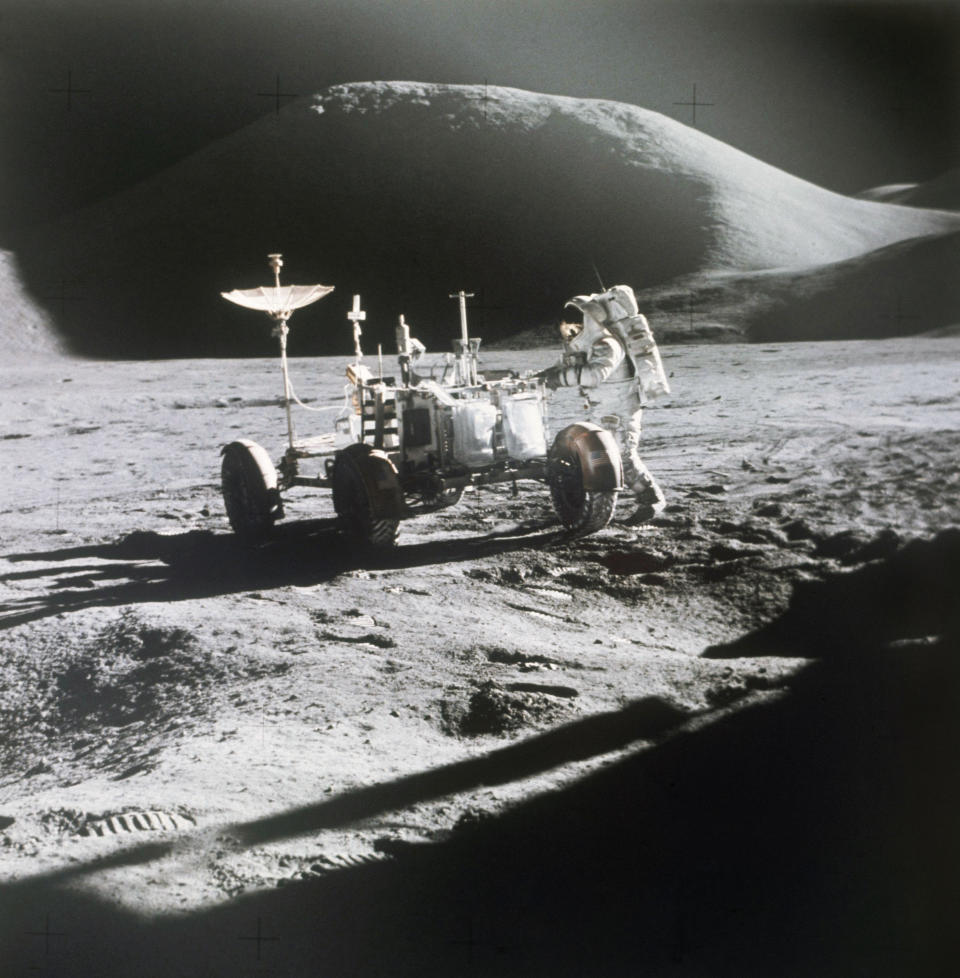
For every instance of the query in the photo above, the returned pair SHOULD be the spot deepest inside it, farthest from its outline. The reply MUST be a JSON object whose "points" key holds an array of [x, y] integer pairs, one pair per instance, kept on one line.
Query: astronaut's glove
{"points": [[550, 378]]}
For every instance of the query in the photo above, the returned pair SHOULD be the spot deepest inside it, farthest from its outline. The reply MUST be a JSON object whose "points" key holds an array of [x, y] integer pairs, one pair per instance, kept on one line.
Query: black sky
{"points": [[848, 95]]}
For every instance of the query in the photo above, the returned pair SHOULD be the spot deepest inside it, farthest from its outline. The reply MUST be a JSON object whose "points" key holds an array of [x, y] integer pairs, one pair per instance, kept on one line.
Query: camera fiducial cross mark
{"points": [[276, 95], [70, 90], [46, 934], [259, 938], [693, 103]]}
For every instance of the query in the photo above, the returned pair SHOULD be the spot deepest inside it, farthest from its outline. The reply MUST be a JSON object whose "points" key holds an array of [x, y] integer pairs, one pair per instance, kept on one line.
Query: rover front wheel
{"points": [[248, 482]]}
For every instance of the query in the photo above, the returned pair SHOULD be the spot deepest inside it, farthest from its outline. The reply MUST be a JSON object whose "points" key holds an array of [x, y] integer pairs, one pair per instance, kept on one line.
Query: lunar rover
{"points": [[412, 443]]}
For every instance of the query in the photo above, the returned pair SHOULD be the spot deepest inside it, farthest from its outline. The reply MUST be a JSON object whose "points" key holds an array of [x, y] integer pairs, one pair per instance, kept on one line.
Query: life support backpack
{"points": [[616, 311]]}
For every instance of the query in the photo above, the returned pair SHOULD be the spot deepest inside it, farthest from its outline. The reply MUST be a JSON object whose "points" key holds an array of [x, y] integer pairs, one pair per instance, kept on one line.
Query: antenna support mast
{"points": [[279, 303], [465, 348]]}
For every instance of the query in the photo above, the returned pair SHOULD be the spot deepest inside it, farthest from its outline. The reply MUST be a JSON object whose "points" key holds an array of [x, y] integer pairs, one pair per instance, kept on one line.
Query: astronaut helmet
{"points": [[581, 340]]}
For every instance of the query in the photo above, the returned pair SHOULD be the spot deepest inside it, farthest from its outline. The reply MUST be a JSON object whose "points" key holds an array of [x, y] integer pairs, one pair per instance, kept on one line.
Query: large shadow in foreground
{"points": [[813, 833], [147, 566]]}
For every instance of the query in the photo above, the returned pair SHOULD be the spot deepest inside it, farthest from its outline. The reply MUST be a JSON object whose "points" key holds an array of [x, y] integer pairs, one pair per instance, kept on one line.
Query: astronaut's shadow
{"points": [[147, 566]]}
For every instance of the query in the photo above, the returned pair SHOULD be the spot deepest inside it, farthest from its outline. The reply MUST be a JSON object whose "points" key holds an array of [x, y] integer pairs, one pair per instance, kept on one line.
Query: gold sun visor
{"points": [[278, 301]]}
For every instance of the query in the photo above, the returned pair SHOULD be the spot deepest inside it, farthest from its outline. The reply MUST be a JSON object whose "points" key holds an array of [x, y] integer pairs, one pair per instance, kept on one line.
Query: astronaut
{"points": [[613, 358]]}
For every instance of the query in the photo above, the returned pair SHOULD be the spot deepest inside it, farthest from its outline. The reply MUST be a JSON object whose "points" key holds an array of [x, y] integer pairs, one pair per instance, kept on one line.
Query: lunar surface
{"points": [[720, 743]]}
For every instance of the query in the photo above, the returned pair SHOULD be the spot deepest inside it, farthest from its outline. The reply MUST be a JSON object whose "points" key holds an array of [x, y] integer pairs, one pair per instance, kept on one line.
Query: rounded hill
{"points": [[406, 192]]}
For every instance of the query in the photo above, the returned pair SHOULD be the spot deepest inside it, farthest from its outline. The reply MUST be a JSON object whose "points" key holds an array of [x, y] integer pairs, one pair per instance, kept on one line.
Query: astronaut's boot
{"points": [[649, 496]]}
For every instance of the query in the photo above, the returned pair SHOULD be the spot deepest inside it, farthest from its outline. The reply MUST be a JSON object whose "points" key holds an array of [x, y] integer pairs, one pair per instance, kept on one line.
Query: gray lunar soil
{"points": [[496, 750]]}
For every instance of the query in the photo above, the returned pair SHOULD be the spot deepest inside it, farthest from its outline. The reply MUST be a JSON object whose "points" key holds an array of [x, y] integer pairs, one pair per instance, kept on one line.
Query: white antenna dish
{"points": [[278, 302]]}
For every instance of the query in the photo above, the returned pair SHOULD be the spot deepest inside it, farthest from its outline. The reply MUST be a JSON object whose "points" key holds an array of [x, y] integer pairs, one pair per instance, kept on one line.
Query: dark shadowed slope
{"points": [[890, 193], [943, 192], [905, 288], [405, 192]]}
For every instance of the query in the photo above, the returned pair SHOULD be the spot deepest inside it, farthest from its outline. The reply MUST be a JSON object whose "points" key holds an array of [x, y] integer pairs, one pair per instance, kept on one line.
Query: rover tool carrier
{"points": [[412, 443]]}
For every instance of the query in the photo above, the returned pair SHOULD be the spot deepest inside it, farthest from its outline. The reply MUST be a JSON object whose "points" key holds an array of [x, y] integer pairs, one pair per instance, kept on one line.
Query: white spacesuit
{"points": [[613, 358]]}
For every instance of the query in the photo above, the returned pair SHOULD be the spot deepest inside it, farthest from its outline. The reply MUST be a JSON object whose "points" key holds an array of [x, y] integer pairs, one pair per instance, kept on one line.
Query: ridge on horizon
{"points": [[404, 191]]}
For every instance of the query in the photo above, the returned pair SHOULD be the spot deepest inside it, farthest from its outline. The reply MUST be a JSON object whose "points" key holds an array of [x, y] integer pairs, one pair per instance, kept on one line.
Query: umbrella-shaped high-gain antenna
{"points": [[278, 302]]}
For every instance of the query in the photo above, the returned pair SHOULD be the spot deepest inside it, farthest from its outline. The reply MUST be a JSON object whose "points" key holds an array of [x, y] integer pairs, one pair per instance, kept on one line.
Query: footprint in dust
{"points": [[129, 822]]}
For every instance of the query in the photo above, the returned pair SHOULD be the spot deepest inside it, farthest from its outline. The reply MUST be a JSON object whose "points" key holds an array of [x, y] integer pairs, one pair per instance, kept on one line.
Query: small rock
{"points": [[471, 818], [478, 574], [840, 544], [884, 544], [731, 551], [41, 767], [514, 575], [725, 694], [655, 580], [131, 771], [638, 561], [565, 691], [798, 530], [768, 509], [717, 572]]}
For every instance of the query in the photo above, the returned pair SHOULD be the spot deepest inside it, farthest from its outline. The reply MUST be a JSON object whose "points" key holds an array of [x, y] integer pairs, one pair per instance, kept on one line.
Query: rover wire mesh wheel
{"points": [[580, 510], [355, 507], [248, 484]]}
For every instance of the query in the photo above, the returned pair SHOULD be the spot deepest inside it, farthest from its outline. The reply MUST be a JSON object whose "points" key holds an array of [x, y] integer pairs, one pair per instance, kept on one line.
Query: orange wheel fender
{"points": [[380, 477], [596, 450]]}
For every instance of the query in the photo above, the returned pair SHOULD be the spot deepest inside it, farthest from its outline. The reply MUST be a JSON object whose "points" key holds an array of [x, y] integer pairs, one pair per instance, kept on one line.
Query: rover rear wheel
{"points": [[361, 477], [580, 510]]}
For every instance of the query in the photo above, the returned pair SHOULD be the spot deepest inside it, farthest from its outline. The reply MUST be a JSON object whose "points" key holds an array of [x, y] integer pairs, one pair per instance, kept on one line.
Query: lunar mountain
{"points": [[405, 192]]}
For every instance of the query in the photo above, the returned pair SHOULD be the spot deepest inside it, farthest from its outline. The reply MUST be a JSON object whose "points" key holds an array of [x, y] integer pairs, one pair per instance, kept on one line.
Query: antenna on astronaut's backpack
{"points": [[278, 302], [603, 288]]}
